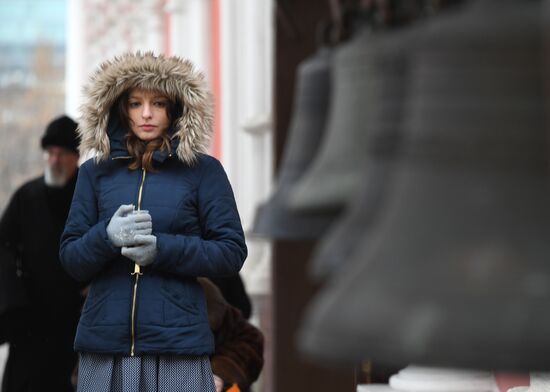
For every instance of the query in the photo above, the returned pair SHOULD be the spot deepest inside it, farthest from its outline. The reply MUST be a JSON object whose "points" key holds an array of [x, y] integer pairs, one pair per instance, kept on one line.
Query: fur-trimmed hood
{"points": [[172, 76]]}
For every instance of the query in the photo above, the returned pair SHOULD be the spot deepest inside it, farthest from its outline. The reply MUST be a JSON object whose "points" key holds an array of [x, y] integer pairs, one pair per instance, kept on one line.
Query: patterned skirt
{"points": [[149, 373]]}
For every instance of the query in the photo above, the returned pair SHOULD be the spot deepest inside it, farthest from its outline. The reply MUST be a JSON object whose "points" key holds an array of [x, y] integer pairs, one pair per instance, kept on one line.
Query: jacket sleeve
{"points": [[85, 247], [221, 250]]}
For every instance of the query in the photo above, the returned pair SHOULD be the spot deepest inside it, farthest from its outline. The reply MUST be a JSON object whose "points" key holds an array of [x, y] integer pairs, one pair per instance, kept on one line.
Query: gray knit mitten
{"points": [[144, 252], [126, 224]]}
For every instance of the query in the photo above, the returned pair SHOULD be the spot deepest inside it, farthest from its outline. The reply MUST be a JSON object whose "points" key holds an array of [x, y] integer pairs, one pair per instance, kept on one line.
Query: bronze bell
{"points": [[457, 273], [363, 209], [329, 181], [366, 95], [352, 227], [390, 55], [273, 218]]}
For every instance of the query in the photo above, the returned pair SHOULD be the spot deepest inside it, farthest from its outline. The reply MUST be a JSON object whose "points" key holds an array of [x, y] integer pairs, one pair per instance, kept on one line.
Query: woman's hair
{"points": [[140, 151]]}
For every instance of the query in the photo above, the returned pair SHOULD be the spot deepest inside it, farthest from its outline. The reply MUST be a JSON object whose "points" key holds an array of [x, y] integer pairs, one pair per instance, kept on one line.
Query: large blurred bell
{"points": [[329, 181], [334, 249], [365, 98], [457, 273], [273, 218]]}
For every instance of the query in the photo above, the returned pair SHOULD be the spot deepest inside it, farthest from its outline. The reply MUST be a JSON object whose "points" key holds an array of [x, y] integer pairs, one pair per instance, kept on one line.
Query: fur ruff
{"points": [[173, 76]]}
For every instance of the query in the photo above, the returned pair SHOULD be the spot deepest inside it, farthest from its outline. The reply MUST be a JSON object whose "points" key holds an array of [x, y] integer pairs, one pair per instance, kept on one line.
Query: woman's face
{"points": [[147, 112]]}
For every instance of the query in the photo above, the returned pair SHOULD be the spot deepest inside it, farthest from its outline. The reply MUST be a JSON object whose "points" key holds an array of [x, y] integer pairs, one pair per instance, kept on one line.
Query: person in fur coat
{"points": [[238, 359], [151, 213]]}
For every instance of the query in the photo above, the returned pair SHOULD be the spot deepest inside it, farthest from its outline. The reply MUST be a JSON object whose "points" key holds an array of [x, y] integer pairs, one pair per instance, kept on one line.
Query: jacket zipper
{"points": [[137, 272]]}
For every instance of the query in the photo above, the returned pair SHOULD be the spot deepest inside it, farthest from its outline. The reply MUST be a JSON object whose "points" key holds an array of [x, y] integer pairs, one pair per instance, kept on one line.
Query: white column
{"points": [[74, 57], [191, 31], [247, 79]]}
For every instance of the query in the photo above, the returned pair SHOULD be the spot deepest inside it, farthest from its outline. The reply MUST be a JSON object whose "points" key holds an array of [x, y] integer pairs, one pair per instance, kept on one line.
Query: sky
{"points": [[31, 21]]}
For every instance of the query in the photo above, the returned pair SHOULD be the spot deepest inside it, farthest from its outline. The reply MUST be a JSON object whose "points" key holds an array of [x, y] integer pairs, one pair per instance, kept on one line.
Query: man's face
{"points": [[61, 165]]}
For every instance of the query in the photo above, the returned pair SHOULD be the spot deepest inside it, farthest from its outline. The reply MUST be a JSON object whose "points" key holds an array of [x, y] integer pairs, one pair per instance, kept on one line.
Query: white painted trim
{"points": [[74, 57], [247, 106], [191, 31]]}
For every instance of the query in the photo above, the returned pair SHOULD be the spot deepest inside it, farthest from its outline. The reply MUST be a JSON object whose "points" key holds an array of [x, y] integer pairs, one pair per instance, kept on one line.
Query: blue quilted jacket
{"points": [[198, 232]]}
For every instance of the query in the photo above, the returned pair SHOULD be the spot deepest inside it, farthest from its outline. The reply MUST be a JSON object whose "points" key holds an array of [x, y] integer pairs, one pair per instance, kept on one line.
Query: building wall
{"points": [[32, 43]]}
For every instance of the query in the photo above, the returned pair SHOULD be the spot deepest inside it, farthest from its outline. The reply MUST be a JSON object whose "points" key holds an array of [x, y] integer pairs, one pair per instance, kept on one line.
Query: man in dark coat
{"points": [[41, 333]]}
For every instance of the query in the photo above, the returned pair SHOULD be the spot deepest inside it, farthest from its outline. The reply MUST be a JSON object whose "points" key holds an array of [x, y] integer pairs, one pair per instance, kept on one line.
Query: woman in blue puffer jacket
{"points": [[151, 213]]}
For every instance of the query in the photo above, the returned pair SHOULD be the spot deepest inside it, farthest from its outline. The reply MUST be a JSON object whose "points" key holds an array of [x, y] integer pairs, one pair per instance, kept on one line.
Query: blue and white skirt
{"points": [[148, 373]]}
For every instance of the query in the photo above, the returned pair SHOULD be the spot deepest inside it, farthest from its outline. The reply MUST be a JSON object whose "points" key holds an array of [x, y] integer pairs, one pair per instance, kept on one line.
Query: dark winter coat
{"points": [[41, 333], [193, 211]]}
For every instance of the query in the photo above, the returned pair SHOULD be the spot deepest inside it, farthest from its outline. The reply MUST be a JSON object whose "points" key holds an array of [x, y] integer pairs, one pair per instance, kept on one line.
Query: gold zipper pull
{"points": [[137, 270]]}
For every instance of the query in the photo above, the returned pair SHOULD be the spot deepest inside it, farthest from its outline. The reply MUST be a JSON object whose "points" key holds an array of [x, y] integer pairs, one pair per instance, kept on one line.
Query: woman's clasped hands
{"points": [[131, 230]]}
